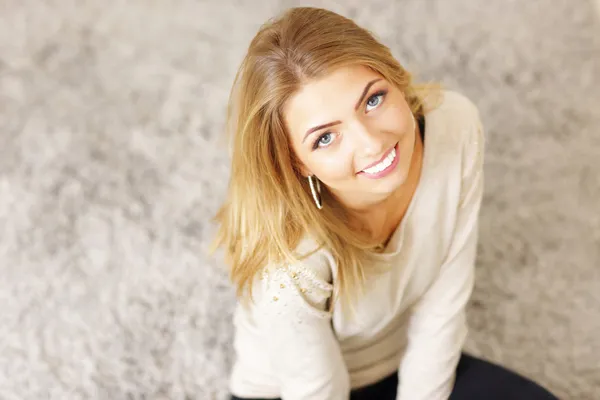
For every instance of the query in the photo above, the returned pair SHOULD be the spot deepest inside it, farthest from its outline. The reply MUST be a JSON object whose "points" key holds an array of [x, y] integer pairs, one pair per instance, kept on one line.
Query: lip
{"points": [[381, 159], [386, 171]]}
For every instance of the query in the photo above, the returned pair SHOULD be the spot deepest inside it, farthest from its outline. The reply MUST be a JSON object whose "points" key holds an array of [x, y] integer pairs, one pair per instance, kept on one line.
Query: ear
{"points": [[300, 167], [305, 172]]}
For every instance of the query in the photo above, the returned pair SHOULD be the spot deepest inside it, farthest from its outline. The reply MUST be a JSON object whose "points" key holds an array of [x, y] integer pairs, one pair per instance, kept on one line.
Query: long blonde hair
{"points": [[269, 207]]}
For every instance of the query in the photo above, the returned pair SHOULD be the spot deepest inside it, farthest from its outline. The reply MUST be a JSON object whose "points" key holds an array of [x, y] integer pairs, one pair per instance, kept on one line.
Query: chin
{"points": [[394, 183]]}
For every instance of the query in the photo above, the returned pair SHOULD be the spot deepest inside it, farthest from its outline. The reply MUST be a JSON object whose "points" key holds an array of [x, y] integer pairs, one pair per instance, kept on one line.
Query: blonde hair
{"points": [[269, 207]]}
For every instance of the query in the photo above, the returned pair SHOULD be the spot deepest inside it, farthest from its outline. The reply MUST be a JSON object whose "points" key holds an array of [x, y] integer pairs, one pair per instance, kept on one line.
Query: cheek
{"points": [[407, 149], [334, 166], [397, 119]]}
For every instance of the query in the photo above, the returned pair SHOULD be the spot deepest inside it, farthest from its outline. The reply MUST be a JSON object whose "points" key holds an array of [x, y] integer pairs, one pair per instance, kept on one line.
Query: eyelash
{"points": [[381, 93]]}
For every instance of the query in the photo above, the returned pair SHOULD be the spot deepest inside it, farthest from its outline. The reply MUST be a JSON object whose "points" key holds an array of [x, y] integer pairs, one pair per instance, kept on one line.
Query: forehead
{"points": [[322, 100]]}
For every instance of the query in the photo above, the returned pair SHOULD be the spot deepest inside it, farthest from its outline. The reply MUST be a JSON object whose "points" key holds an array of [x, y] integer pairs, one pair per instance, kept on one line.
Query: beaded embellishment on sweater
{"points": [[298, 284]]}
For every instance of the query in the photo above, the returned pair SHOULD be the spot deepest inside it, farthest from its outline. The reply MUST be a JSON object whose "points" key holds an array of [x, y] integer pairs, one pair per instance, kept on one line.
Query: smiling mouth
{"points": [[383, 164]]}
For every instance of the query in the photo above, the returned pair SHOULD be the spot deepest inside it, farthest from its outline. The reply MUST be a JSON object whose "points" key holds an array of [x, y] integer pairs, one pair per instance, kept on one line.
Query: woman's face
{"points": [[355, 132]]}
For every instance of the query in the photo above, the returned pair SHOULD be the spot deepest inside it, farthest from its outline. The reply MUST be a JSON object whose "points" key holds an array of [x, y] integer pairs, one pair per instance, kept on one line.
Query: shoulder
{"points": [[454, 140], [304, 285], [457, 106], [456, 122], [313, 261]]}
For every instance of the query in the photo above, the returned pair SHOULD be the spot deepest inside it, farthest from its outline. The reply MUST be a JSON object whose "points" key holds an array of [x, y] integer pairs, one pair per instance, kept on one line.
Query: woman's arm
{"points": [[437, 328], [301, 345]]}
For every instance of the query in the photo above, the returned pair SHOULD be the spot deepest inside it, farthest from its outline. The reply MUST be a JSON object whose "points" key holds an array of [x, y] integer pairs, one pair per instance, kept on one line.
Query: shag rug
{"points": [[112, 164]]}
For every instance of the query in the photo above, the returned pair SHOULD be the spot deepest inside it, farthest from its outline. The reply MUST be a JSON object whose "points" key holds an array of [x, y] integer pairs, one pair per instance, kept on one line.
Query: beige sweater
{"points": [[411, 319]]}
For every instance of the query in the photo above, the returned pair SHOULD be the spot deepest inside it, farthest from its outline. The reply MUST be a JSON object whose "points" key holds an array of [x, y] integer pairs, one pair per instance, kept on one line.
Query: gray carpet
{"points": [[111, 163]]}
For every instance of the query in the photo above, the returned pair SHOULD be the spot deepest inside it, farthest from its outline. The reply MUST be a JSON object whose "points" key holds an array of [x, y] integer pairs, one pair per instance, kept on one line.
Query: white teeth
{"points": [[383, 164]]}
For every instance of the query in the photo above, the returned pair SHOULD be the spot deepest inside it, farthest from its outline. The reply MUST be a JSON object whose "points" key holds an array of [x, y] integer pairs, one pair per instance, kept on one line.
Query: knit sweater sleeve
{"points": [[437, 327], [300, 343]]}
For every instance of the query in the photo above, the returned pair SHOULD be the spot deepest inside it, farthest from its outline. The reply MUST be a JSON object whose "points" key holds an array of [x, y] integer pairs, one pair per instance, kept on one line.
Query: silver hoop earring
{"points": [[316, 192]]}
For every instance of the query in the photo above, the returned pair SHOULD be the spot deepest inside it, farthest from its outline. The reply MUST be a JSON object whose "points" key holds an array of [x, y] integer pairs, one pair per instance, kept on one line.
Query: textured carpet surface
{"points": [[111, 164]]}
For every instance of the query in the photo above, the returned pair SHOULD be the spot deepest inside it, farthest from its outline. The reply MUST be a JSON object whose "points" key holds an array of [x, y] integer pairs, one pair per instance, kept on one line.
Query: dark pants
{"points": [[475, 380]]}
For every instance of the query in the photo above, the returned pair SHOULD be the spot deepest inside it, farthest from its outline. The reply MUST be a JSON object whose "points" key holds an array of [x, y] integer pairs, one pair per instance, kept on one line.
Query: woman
{"points": [[351, 223]]}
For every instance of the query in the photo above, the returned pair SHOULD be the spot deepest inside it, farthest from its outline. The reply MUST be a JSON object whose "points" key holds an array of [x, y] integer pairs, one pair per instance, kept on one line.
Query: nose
{"points": [[368, 141]]}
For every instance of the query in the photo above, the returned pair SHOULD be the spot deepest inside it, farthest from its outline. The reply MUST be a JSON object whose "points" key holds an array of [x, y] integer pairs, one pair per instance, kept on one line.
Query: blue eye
{"points": [[320, 142], [376, 99]]}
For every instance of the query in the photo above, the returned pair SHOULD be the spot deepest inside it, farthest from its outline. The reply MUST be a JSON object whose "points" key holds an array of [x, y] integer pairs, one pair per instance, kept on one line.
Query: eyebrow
{"points": [[316, 128], [360, 100]]}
